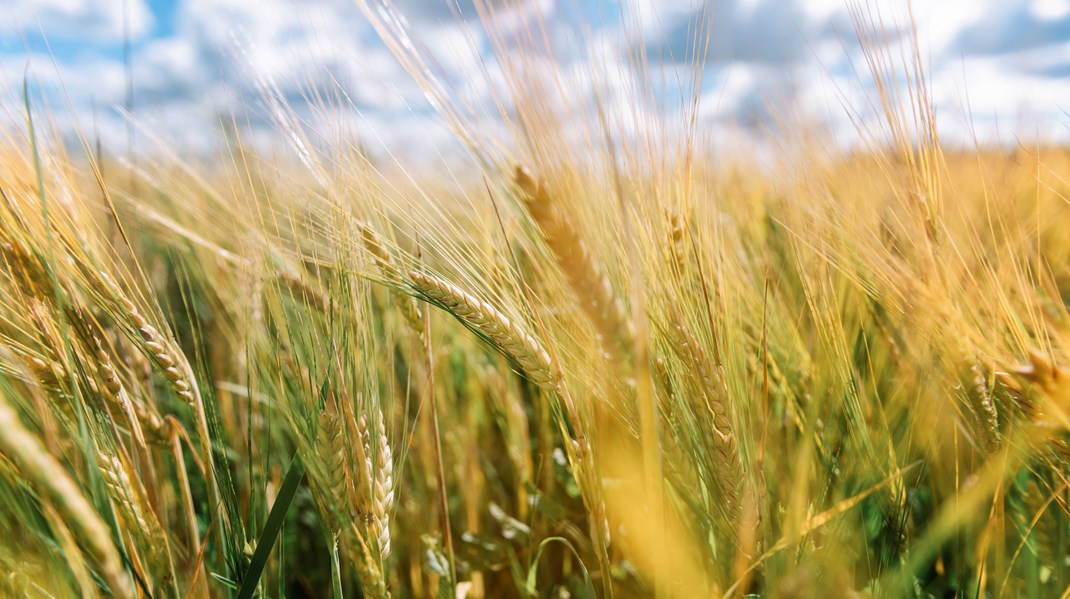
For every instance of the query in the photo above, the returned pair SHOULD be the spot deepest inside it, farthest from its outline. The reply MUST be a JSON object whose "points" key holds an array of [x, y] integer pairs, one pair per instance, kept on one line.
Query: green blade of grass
{"points": [[266, 541], [533, 570]]}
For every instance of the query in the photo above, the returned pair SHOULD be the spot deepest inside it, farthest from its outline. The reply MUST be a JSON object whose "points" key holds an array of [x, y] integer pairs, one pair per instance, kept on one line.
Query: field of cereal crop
{"points": [[600, 360]]}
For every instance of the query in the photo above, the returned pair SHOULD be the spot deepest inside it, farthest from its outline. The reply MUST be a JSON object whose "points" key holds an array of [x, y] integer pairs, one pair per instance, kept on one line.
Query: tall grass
{"points": [[607, 365]]}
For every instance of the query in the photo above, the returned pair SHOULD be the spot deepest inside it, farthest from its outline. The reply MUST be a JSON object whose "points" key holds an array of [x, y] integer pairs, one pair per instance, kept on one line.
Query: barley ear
{"points": [[330, 462], [47, 475], [383, 496], [729, 468], [507, 335], [586, 276], [158, 348], [385, 262], [300, 288], [128, 495]]}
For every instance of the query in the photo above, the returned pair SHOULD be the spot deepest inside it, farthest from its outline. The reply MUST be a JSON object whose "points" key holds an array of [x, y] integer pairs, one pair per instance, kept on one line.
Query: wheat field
{"points": [[600, 362]]}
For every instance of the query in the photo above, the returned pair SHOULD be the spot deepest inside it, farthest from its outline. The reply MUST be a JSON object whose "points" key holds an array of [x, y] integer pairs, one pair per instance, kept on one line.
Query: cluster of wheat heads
{"points": [[615, 370]]}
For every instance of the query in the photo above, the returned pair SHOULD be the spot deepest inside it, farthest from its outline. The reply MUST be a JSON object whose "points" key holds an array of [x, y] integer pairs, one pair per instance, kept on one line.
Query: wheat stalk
{"points": [[507, 335]]}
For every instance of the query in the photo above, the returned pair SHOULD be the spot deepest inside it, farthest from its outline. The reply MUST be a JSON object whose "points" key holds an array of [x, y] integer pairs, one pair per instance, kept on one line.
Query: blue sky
{"points": [[998, 69]]}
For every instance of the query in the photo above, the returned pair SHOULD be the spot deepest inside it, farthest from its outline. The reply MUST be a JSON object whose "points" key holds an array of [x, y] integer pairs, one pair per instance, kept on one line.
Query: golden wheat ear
{"points": [[158, 348], [711, 385], [384, 260], [1048, 377], [585, 274], [519, 345], [383, 492], [51, 479]]}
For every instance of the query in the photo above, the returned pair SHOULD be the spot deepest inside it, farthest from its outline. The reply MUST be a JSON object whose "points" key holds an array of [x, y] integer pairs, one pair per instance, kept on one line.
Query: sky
{"points": [[999, 71]]}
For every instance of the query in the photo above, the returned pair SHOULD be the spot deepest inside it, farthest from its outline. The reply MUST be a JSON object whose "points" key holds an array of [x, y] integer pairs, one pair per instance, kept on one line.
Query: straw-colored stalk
{"points": [[174, 437]]}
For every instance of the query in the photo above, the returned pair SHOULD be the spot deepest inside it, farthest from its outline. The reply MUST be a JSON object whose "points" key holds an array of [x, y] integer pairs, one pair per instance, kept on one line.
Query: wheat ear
{"points": [[128, 496], [507, 335], [142, 417], [177, 372], [45, 473], [383, 493], [363, 556], [586, 276], [160, 351], [300, 288], [676, 249], [385, 261], [330, 453], [26, 269], [729, 468], [371, 576], [1051, 379], [988, 418]]}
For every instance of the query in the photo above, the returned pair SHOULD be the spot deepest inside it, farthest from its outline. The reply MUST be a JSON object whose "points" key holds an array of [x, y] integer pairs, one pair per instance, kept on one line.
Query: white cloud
{"points": [[974, 95], [99, 20], [1050, 9], [796, 58]]}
